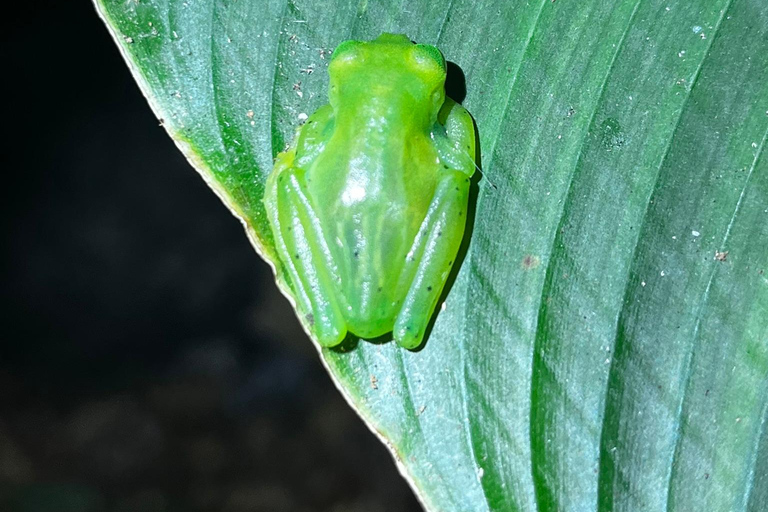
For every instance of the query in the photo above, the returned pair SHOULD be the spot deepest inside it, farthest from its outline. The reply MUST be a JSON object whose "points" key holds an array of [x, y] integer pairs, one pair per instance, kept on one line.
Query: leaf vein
{"points": [[444, 22], [633, 258], [750, 483], [470, 255], [539, 483], [688, 372], [515, 76], [272, 104]]}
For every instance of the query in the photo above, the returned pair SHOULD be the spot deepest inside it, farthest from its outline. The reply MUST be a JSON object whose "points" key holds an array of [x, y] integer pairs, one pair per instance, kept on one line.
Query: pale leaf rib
{"points": [[602, 484], [470, 420], [539, 483]]}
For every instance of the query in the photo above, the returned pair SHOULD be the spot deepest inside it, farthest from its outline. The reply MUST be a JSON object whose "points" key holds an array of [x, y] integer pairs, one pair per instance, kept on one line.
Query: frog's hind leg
{"points": [[433, 254], [304, 252]]}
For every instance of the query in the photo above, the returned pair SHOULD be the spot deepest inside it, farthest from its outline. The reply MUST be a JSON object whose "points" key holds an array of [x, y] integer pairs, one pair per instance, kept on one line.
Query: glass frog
{"points": [[369, 203]]}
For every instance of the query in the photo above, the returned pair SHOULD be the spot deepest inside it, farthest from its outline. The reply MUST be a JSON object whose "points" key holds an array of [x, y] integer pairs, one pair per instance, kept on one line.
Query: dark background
{"points": [[147, 360]]}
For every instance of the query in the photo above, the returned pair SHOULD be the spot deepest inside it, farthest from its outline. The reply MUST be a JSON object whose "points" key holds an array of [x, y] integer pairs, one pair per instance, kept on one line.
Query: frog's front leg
{"points": [[303, 249], [432, 254]]}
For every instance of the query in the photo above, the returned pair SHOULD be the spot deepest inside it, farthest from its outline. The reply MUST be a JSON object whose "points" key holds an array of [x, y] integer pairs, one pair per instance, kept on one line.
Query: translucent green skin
{"points": [[369, 204]]}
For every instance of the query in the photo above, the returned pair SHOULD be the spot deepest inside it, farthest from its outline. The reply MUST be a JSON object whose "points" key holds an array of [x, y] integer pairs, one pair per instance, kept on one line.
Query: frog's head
{"points": [[389, 70]]}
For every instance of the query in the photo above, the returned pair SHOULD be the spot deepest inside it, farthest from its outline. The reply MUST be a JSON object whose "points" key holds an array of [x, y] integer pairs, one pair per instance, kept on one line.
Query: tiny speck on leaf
{"points": [[530, 262], [721, 256]]}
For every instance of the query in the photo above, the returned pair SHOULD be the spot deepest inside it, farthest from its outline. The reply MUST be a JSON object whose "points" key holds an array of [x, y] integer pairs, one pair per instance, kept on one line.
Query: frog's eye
{"points": [[428, 58], [348, 51]]}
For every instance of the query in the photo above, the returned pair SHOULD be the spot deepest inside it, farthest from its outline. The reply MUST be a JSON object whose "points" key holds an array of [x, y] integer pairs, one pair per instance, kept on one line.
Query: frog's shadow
{"points": [[455, 84], [456, 89]]}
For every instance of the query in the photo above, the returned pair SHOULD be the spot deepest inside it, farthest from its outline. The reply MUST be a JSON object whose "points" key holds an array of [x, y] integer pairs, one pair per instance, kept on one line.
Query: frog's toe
{"points": [[408, 336], [329, 334]]}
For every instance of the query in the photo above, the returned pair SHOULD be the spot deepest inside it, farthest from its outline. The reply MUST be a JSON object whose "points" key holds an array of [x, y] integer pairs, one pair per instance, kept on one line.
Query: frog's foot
{"points": [[435, 250], [306, 256], [457, 147]]}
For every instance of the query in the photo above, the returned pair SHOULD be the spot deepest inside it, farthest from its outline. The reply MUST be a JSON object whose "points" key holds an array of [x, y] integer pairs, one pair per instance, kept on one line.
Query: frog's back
{"points": [[374, 209]]}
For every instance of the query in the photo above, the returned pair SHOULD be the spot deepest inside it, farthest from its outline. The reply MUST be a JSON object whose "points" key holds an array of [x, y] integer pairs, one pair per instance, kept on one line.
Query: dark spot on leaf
{"points": [[356, 254], [310, 319], [297, 256], [530, 262], [429, 288]]}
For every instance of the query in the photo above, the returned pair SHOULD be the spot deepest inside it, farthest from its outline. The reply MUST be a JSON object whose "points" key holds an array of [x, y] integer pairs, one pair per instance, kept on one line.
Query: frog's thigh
{"points": [[443, 231], [303, 249]]}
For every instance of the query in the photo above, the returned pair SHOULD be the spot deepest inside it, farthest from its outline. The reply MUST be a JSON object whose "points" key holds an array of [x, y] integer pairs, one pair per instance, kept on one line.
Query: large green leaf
{"points": [[604, 345]]}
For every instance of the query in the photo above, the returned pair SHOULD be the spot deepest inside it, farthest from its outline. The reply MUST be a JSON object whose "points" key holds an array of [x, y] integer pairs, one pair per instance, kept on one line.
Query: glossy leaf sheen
{"points": [[593, 353]]}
